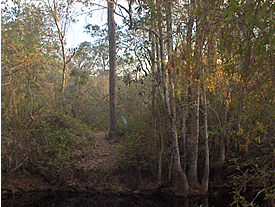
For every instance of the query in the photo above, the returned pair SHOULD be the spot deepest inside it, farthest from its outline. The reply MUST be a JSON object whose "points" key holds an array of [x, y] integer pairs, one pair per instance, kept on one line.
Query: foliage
{"points": [[65, 142], [80, 77], [134, 146], [251, 177], [50, 148], [26, 42]]}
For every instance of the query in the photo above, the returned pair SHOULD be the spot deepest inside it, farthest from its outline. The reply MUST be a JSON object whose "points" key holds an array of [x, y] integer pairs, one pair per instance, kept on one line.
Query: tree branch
{"points": [[74, 53], [14, 71], [149, 30]]}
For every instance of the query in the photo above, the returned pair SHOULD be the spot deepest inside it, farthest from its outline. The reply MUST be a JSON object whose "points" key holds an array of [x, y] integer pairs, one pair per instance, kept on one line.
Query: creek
{"points": [[70, 199]]}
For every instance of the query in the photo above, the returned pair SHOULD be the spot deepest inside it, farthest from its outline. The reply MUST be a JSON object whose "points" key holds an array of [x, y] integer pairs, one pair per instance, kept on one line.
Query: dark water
{"points": [[62, 199]]}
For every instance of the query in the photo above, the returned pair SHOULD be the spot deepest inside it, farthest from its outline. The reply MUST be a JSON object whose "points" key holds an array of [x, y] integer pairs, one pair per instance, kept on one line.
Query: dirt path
{"points": [[100, 165], [103, 153]]}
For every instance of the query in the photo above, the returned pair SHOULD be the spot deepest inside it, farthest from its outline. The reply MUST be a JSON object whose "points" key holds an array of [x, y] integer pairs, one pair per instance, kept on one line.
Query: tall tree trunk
{"points": [[205, 179], [159, 180], [179, 180], [161, 141], [224, 139], [194, 88], [112, 77], [184, 129], [153, 77], [154, 107], [187, 117], [64, 66], [194, 139], [61, 35]]}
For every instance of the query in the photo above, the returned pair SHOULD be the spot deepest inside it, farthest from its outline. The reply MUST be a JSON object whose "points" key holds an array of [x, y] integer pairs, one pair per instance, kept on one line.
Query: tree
{"points": [[180, 179], [61, 12], [24, 60], [26, 91], [112, 63]]}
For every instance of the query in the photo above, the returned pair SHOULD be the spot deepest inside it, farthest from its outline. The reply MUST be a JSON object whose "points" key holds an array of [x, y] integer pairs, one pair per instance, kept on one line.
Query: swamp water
{"points": [[65, 199]]}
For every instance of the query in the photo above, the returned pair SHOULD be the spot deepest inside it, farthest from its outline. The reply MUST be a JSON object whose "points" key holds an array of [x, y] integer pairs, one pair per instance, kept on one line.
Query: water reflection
{"points": [[102, 200]]}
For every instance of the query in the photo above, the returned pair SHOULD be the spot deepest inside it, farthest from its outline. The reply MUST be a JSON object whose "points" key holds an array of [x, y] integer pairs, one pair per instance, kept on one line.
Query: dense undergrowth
{"points": [[50, 148], [134, 144], [250, 174]]}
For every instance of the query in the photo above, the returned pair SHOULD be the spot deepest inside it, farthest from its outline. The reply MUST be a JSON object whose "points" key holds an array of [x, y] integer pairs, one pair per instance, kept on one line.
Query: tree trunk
{"points": [[184, 118], [153, 77], [187, 122], [205, 179], [154, 109], [194, 139], [61, 39], [112, 77], [194, 88], [179, 180]]}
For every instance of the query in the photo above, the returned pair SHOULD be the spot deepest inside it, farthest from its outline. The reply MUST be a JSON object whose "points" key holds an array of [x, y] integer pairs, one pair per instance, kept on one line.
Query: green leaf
{"points": [[226, 12], [272, 11], [272, 43], [242, 198], [258, 139], [233, 3], [239, 51], [249, 13]]}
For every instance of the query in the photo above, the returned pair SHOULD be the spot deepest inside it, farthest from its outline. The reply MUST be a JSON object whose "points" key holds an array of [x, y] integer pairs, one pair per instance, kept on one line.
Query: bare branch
{"points": [[149, 30], [104, 7], [12, 72], [74, 53], [18, 166]]}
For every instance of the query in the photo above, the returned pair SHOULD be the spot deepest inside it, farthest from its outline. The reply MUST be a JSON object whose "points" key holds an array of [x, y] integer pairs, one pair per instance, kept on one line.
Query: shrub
{"points": [[134, 146], [50, 148]]}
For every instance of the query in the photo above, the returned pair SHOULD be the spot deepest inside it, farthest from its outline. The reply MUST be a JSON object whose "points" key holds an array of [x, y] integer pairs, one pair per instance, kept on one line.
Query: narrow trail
{"points": [[103, 153], [99, 167]]}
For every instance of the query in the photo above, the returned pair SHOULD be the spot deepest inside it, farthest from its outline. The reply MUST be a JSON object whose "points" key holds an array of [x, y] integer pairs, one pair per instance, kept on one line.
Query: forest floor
{"points": [[101, 169], [103, 154], [95, 175], [98, 172]]}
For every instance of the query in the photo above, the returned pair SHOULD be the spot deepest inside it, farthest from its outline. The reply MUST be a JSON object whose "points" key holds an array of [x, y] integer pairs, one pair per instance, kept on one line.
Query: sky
{"points": [[75, 34]]}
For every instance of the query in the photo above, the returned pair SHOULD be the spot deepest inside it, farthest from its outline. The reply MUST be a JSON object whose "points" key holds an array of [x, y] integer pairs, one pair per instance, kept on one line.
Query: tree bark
{"points": [[154, 110], [205, 179], [112, 76], [179, 180], [194, 139], [194, 89], [184, 129]]}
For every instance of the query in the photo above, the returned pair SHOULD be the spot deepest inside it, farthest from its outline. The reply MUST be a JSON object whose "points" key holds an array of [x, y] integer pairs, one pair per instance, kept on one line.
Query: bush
{"points": [[134, 145], [50, 148], [254, 183]]}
